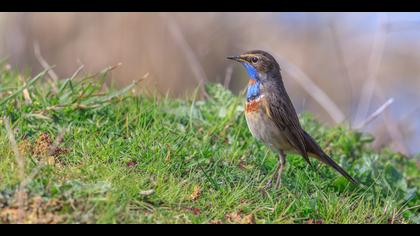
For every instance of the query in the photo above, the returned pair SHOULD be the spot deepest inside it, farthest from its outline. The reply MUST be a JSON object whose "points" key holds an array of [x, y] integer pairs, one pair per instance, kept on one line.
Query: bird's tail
{"points": [[315, 150]]}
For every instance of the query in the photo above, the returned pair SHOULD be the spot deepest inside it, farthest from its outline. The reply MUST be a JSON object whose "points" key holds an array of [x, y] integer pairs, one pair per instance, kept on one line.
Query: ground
{"points": [[85, 154]]}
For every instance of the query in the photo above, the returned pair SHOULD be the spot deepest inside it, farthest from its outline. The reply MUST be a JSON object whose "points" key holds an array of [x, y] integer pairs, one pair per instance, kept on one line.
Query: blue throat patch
{"points": [[252, 72], [254, 88], [253, 91]]}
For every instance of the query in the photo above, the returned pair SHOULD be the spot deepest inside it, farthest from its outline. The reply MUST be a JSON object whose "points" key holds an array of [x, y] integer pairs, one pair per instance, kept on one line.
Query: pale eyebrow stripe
{"points": [[249, 55]]}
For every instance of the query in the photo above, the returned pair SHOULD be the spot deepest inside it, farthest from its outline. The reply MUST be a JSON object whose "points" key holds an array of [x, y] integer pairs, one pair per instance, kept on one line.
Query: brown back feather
{"points": [[285, 117]]}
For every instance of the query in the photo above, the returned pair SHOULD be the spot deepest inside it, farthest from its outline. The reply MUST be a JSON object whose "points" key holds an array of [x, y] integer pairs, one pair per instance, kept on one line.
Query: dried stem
{"points": [[345, 69], [228, 76], [192, 59], [392, 125], [375, 114], [313, 90], [45, 65], [373, 69]]}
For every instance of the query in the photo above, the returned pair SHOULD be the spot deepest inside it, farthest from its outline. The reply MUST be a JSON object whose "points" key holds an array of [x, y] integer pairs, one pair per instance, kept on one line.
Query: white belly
{"points": [[265, 130]]}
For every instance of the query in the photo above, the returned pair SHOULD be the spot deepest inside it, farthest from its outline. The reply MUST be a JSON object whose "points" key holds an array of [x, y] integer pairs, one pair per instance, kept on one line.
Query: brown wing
{"points": [[283, 114]]}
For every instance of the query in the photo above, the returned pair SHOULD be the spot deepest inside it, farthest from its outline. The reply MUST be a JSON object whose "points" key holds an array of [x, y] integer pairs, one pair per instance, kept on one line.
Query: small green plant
{"points": [[97, 155]]}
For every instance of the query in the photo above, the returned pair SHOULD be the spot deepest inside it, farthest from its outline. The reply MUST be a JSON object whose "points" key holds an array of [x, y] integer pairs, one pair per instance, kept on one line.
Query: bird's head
{"points": [[258, 64]]}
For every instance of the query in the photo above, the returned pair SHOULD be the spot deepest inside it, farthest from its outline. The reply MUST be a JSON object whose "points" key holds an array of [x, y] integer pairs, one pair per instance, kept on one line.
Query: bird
{"points": [[272, 118]]}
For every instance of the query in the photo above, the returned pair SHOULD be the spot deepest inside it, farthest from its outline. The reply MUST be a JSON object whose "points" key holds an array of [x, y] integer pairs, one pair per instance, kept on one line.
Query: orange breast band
{"points": [[253, 106], [252, 81]]}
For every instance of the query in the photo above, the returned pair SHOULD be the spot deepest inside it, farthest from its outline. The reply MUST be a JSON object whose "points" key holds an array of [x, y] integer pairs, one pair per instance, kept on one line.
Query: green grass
{"points": [[150, 159]]}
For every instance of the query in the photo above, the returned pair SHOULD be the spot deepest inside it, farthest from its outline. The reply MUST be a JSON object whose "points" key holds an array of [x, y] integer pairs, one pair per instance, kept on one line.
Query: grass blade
{"points": [[30, 83]]}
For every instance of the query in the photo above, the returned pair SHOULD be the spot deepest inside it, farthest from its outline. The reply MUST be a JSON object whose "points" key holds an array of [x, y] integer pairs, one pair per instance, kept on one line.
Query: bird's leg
{"points": [[276, 178], [279, 171]]}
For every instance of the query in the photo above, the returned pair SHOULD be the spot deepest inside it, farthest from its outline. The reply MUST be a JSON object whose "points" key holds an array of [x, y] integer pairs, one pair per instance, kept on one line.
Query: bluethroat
{"points": [[271, 117]]}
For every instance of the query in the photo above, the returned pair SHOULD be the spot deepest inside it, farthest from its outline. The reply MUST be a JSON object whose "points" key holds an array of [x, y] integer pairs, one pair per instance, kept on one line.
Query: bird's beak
{"points": [[236, 58]]}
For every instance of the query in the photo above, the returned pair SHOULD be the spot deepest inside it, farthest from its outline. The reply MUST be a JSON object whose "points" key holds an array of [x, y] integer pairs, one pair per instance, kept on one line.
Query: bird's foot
{"points": [[278, 181], [267, 187]]}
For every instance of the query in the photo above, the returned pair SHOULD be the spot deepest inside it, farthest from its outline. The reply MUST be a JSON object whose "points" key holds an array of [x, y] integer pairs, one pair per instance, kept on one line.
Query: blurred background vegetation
{"points": [[340, 66]]}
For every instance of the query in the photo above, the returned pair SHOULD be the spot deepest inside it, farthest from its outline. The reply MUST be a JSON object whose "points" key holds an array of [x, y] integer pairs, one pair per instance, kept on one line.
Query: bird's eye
{"points": [[254, 59]]}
